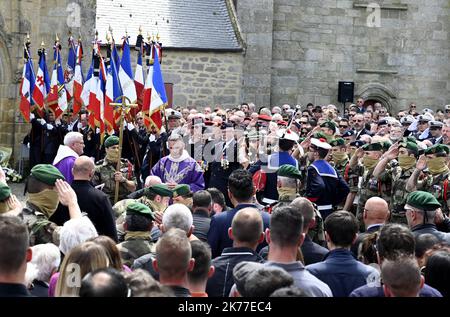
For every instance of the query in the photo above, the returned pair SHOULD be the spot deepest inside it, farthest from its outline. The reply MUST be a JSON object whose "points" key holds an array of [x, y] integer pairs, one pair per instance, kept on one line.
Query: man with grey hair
{"points": [[178, 167], [178, 216], [68, 153], [401, 277], [173, 261], [420, 214]]}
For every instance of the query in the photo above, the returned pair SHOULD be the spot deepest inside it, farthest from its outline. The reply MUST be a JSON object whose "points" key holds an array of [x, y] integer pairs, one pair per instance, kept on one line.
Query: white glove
{"points": [[41, 121], [130, 126], [58, 122], [49, 127], [97, 131], [32, 116], [152, 138]]}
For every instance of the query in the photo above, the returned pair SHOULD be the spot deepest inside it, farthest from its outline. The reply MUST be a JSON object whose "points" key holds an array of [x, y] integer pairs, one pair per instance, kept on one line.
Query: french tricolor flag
{"points": [[113, 91], [139, 81], [126, 73], [42, 85], [78, 82], [26, 89]]}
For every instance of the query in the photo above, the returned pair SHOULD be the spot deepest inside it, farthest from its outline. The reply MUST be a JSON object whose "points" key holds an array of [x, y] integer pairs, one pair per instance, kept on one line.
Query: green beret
{"points": [[437, 148], [422, 200], [290, 171], [410, 139], [320, 135], [111, 141], [5, 191], [140, 210], [410, 146], [329, 124], [337, 142], [47, 174], [181, 190], [373, 147], [162, 190], [386, 145]]}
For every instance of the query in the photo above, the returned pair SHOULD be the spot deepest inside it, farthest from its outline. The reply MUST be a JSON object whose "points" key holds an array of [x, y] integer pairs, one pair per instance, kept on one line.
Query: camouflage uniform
{"points": [[104, 173], [40, 228], [135, 246], [399, 193], [438, 186], [371, 187], [344, 170]]}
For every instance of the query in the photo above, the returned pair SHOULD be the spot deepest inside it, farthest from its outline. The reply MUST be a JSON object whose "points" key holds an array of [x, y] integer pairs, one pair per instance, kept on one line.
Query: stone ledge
{"points": [[402, 7], [375, 71]]}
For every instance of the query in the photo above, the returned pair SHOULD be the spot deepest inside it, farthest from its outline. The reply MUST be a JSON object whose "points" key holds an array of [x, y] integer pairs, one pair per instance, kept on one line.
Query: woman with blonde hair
{"points": [[85, 258]]}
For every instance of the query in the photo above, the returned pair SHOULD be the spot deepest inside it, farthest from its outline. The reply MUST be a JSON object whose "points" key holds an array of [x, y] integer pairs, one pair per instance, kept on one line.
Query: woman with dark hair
{"points": [[437, 269]]}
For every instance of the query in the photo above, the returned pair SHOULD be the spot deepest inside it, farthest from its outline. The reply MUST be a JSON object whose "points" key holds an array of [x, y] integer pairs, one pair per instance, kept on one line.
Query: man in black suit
{"points": [[241, 192], [375, 215], [92, 200], [359, 126], [15, 252], [201, 210]]}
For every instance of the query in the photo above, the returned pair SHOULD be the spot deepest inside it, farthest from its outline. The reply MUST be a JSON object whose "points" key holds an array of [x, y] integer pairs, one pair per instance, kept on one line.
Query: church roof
{"points": [[183, 24]]}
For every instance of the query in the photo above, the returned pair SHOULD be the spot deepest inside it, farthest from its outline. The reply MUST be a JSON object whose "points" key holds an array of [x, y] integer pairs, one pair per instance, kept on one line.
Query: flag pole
{"points": [[122, 107]]}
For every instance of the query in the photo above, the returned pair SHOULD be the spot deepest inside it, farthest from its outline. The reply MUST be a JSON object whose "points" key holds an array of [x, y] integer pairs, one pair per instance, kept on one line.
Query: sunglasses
{"points": [[413, 107], [447, 110], [343, 126]]}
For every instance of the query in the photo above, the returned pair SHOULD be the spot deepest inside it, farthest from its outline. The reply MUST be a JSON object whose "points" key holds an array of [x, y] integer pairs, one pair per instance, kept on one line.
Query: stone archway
{"points": [[379, 92]]}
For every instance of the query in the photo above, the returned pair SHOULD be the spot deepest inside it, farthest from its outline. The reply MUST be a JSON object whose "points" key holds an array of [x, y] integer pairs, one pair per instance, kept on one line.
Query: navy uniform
{"points": [[324, 186], [435, 125]]}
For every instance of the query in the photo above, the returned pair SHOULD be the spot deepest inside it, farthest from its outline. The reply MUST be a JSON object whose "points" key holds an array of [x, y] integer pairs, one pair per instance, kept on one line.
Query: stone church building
{"points": [[269, 52]]}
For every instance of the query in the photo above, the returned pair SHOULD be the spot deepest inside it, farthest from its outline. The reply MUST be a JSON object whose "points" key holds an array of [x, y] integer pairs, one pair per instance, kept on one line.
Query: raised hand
{"points": [[421, 163], [66, 194]]}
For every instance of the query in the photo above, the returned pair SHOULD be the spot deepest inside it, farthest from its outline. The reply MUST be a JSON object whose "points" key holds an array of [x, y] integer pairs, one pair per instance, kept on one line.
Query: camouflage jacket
{"points": [[104, 174], [135, 247], [371, 186], [438, 186], [399, 193], [40, 228]]}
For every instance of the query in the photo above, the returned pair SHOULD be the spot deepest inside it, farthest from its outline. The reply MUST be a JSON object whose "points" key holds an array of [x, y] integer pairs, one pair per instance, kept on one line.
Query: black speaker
{"points": [[345, 91]]}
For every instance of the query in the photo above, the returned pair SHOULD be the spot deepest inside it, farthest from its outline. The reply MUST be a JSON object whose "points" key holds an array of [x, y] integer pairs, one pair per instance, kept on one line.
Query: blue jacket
{"points": [[218, 230], [371, 291], [342, 272], [312, 252]]}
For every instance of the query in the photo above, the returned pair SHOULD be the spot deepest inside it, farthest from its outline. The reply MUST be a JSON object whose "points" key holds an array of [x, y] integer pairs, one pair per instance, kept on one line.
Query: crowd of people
{"points": [[288, 201]]}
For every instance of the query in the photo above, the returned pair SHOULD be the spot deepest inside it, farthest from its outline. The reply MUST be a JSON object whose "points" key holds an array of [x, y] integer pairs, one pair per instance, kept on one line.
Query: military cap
{"points": [[410, 139], [386, 145], [427, 110], [406, 120], [161, 190], [264, 117], [226, 125], [357, 143], [181, 190], [297, 123], [373, 147], [111, 141], [435, 124], [47, 174], [423, 118], [290, 171], [348, 133], [422, 200], [140, 209], [320, 143], [412, 146], [287, 134], [282, 122], [437, 148], [5, 191], [329, 124], [320, 135], [382, 122], [447, 107], [337, 142], [242, 271], [173, 114]]}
